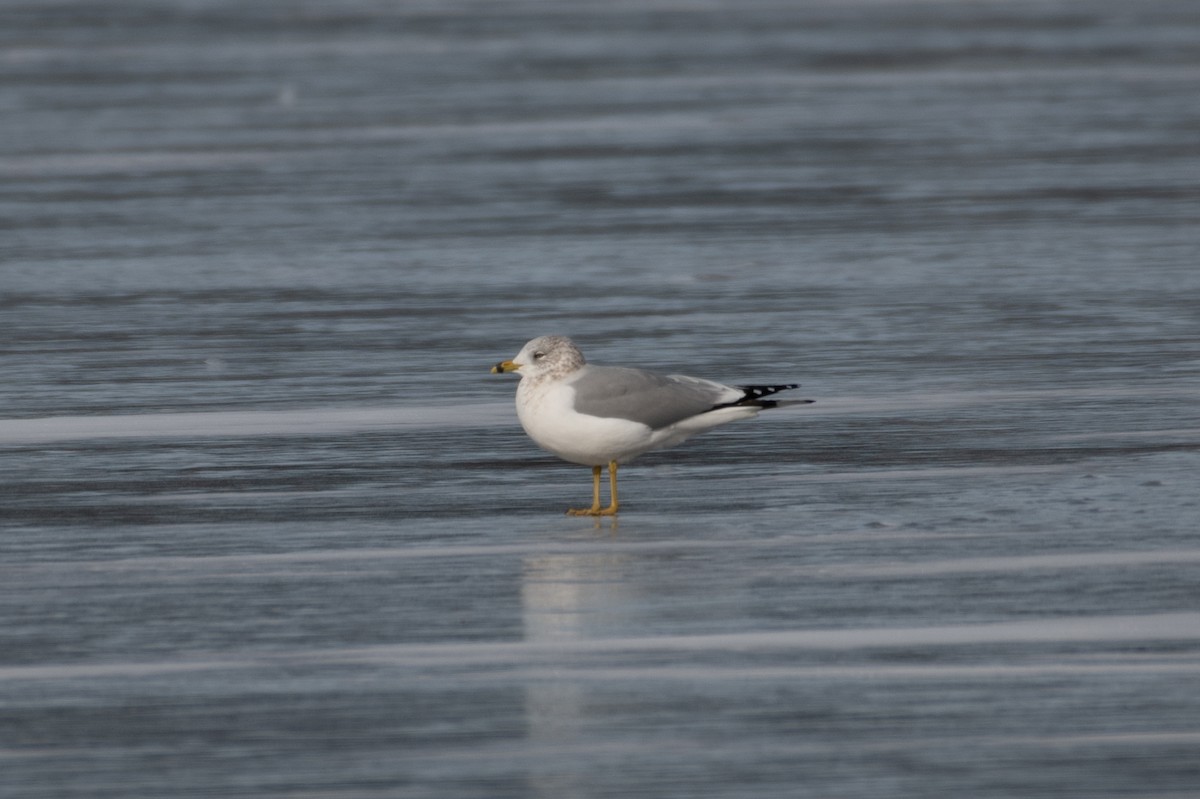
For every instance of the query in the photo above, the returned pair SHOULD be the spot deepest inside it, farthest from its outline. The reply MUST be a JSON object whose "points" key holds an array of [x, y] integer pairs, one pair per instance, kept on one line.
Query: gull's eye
{"points": [[537, 356]]}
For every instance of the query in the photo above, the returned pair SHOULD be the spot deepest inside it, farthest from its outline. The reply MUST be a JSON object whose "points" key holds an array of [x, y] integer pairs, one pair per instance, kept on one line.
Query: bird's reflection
{"points": [[567, 598]]}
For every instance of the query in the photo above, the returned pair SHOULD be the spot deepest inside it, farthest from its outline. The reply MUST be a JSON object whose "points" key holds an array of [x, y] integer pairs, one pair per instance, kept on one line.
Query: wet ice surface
{"points": [[271, 529]]}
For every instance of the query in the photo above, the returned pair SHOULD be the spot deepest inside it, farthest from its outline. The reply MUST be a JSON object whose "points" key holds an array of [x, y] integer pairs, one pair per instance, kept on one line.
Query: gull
{"points": [[608, 415]]}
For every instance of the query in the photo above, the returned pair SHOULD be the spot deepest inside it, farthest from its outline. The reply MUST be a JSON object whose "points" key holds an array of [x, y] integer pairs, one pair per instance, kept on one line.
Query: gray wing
{"points": [[654, 400]]}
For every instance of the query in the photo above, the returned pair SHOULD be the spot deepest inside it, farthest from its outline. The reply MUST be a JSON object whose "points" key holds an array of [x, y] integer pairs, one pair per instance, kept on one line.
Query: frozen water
{"points": [[268, 527]]}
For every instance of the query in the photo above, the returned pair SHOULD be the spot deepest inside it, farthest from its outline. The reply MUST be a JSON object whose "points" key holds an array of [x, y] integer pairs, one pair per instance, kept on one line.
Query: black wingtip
{"points": [[765, 404], [759, 391], [753, 396]]}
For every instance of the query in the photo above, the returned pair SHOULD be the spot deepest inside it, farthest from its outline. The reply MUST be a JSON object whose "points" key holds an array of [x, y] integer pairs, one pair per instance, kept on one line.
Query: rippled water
{"points": [[269, 528]]}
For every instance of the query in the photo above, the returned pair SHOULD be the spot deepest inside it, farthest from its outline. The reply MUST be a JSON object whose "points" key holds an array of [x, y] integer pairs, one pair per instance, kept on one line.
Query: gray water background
{"points": [[268, 528]]}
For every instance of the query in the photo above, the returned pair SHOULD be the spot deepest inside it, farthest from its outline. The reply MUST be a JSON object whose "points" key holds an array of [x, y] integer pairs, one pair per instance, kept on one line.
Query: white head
{"points": [[556, 356]]}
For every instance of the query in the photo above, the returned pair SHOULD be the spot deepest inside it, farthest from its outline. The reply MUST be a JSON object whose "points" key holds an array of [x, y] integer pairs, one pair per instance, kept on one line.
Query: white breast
{"points": [[547, 414]]}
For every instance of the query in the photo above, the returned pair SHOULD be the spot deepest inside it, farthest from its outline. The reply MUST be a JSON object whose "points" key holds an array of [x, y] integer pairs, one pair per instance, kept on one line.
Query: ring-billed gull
{"points": [[608, 415]]}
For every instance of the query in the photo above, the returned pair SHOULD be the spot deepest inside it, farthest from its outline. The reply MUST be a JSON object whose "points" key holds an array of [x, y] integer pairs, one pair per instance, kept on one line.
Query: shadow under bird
{"points": [[608, 415]]}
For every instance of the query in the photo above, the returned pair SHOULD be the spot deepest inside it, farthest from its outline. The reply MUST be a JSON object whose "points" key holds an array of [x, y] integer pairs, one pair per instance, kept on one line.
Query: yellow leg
{"points": [[595, 509], [611, 510]]}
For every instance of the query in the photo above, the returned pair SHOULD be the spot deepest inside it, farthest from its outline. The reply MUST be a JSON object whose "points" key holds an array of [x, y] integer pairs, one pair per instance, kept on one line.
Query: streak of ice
{"points": [[248, 423], [1159, 627]]}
